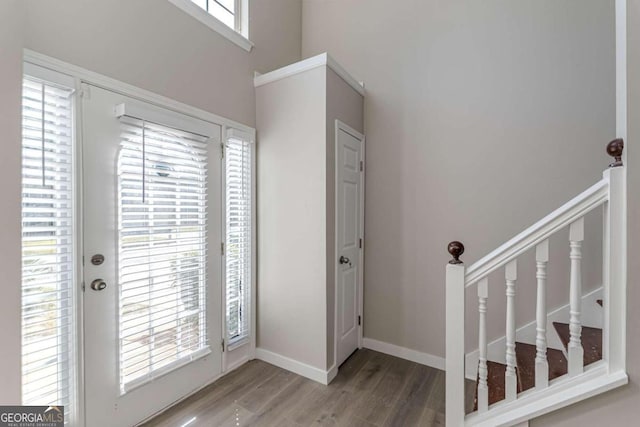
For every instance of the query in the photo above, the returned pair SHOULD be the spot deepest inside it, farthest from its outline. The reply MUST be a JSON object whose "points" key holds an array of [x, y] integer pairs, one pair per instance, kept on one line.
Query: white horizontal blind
{"points": [[48, 302], [162, 174], [238, 238]]}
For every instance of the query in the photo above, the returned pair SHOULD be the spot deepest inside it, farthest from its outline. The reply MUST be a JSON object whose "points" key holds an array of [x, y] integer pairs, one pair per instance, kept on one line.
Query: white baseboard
{"points": [[236, 364], [404, 353], [307, 371], [592, 315]]}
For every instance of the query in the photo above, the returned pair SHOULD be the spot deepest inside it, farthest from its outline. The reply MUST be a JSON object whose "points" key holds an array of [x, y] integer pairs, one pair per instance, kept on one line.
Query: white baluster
{"points": [[576, 236], [511, 274], [454, 363], [542, 366], [483, 389]]}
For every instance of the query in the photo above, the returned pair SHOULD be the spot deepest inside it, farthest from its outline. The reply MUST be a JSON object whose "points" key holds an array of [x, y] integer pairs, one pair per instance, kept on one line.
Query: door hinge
{"points": [[360, 244], [222, 345], [359, 320], [222, 248], [361, 165], [222, 150]]}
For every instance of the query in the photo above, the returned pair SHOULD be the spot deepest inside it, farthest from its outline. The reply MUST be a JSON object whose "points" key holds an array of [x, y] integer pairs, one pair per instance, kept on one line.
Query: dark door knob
{"points": [[344, 260], [98, 285]]}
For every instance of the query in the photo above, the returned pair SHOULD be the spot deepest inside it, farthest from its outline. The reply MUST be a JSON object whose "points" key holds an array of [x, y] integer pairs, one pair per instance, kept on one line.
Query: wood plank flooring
{"points": [[371, 389]]}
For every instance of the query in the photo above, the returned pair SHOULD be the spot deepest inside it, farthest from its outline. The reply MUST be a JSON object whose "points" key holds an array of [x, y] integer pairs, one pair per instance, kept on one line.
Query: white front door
{"points": [[349, 232], [152, 300]]}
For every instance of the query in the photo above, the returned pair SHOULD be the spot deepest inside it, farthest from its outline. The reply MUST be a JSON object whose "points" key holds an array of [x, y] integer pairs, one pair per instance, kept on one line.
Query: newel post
{"points": [[615, 262], [454, 365]]}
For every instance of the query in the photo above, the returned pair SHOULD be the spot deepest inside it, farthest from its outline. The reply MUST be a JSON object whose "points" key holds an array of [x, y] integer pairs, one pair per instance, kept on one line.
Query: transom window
{"points": [[224, 10], [229, 18]]}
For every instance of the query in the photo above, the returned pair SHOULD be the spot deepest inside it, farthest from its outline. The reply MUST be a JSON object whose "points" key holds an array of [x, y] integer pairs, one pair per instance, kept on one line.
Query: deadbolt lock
{"points": [[97, 259]]}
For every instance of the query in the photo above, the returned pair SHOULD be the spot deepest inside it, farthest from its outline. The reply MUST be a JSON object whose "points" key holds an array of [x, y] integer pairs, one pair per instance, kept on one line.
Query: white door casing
{"points": [[105, 404], [349, 240]]}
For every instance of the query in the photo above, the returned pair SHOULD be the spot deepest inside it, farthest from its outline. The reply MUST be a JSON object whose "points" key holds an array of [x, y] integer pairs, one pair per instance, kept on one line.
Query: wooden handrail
{"points": [[576, 208]]}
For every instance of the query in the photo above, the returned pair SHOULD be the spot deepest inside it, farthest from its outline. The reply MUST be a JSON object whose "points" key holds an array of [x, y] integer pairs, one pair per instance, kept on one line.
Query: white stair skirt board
{"points": [[404, 353], [291, 365], [592, 316]]}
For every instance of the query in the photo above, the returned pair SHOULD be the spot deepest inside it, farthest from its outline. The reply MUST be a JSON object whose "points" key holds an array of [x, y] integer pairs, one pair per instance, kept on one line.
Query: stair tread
{"points": [[591, 341], [495, 382], [526, 359]]}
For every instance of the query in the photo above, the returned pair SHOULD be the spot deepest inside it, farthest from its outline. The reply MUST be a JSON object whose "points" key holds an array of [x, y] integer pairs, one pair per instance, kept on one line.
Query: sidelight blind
{"points": [[48, 304], [162, 227], [238, 238]]}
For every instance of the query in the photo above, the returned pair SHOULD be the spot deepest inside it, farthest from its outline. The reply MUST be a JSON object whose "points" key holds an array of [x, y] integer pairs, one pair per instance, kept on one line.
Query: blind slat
{"points": [[238, 238], [48, 305], [162, 198]]}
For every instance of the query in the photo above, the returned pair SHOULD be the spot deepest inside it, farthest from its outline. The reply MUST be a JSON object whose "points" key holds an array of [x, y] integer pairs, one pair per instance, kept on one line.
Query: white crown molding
{"points": [[324, 59]]}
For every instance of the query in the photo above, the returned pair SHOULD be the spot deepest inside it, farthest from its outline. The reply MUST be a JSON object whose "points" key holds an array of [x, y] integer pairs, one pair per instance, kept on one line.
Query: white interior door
{"points": [[349, 232], [152, 300]]}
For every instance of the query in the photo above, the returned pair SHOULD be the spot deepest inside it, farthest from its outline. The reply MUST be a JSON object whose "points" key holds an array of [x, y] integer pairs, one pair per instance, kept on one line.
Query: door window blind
{"points": [[238, 238], [48, 301], [162, 229]]}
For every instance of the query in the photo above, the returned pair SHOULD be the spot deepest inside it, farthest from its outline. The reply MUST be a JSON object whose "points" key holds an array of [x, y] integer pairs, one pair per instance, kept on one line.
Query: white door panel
{"points": [[107, 404], [349, 149]]}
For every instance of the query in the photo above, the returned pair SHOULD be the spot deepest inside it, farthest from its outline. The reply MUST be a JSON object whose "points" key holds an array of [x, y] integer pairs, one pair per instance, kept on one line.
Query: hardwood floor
{"points": [[371, 389]]}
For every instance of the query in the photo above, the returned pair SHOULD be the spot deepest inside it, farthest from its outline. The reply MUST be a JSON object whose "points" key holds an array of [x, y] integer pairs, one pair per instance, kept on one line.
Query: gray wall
{"points": [[147, 43], [292, 224], [480, 117], [156, 46], [11, 22], [620, 407]]}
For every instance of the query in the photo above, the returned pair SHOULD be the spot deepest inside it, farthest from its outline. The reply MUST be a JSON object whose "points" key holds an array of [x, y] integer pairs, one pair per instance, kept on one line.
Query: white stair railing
{"points": [[580, 382]]}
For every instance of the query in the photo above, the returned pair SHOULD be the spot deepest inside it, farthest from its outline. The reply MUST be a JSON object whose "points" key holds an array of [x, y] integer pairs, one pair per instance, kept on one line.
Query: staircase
{"points": [[535, 379], [526, 363]]}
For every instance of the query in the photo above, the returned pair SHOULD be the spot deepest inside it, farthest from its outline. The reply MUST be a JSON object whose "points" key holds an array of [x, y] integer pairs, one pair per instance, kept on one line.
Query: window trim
{"points": [[60, 77], [240, 350], [81, 76], [240, 38]]}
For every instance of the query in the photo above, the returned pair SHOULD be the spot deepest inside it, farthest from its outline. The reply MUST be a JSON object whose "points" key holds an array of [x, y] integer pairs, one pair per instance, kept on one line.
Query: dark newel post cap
{"points": [[456, 249], [614, 149]]}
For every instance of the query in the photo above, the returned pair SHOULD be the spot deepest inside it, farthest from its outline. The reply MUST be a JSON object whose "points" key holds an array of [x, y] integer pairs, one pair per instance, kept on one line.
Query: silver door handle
{"points": [[98, 285], [344, 260]]}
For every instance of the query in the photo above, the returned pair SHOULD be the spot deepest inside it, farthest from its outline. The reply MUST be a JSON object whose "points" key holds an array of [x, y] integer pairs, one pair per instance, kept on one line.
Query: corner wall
{"points": [[292, 282], [481, 118]]}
